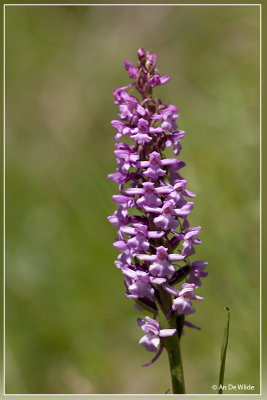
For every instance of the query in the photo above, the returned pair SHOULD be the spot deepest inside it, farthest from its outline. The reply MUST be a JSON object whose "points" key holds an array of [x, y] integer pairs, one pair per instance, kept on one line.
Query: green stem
{"points": [[172, 345], [175, 361], [176, 369]]}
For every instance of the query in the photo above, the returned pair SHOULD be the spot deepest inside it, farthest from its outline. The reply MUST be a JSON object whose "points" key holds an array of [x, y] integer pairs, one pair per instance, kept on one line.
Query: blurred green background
{"points": [[69, 328]]}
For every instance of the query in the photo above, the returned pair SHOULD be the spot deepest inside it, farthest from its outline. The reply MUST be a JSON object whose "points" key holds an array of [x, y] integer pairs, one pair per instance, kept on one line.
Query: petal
{"points": [[128, 229], [140, 110], [197, 298], [175, 257], [156, 129], [141, 138], [134, 157], [164, 189], [199, 264], [150, 342], [156, 117], [120, 245], [164, 79], [169, 161], [142, 164], [128, 272], [152, 209], [155, 234], [134, 191], [185, 210], [162, 222], [120, 200], [157, 281], [170, 290], [187, 193], [167, 332], [127, 64], [117, 124], [146, 257], [131, 296], [152, 322]]}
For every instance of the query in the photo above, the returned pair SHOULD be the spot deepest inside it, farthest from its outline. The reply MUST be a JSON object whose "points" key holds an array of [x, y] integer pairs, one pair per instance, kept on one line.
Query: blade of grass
{"points": [[224, 350]]}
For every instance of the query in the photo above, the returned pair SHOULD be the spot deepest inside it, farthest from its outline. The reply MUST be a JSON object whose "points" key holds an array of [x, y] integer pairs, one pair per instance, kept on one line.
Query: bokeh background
{"points": [[69, 328]]}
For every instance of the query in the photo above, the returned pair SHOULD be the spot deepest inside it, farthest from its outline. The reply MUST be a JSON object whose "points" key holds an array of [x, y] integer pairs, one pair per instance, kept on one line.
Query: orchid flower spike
{"points": [[155, 240]]}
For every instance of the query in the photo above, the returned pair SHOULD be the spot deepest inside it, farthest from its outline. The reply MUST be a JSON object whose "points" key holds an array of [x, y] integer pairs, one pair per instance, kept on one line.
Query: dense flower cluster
{"points": [[152, 218]]}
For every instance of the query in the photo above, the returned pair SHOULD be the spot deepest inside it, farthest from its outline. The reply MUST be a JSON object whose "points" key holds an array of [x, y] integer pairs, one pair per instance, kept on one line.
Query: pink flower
{"points": [[182, 304], [153, 333]]}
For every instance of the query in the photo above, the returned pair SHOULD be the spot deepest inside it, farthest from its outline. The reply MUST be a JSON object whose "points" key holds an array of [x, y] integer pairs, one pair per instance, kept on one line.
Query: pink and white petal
{"points": [[164, 79], [162, 222], [146, 257], [128, 229], [120, 245], [169, 161], [164, 189], [131, 296], [157, 281], [197, 297], [156, 129], [175, 257], [152, 209], [150, 342], [156, 234], [142, 164], [120, 200], [179, 236], [134, 191], [128, 272], [156, 117], [167, 332], [152, 321], [134, 157], [140, 110], [170, 290], [179, 304], [187, 193]]}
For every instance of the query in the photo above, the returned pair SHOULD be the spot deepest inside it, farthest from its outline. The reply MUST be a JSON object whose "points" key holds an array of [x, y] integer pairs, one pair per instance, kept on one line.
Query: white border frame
{"points": [[110, 396]]}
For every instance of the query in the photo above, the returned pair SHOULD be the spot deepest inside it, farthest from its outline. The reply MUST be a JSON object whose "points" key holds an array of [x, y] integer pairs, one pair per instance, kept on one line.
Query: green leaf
{"points": [[224, 350]]}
